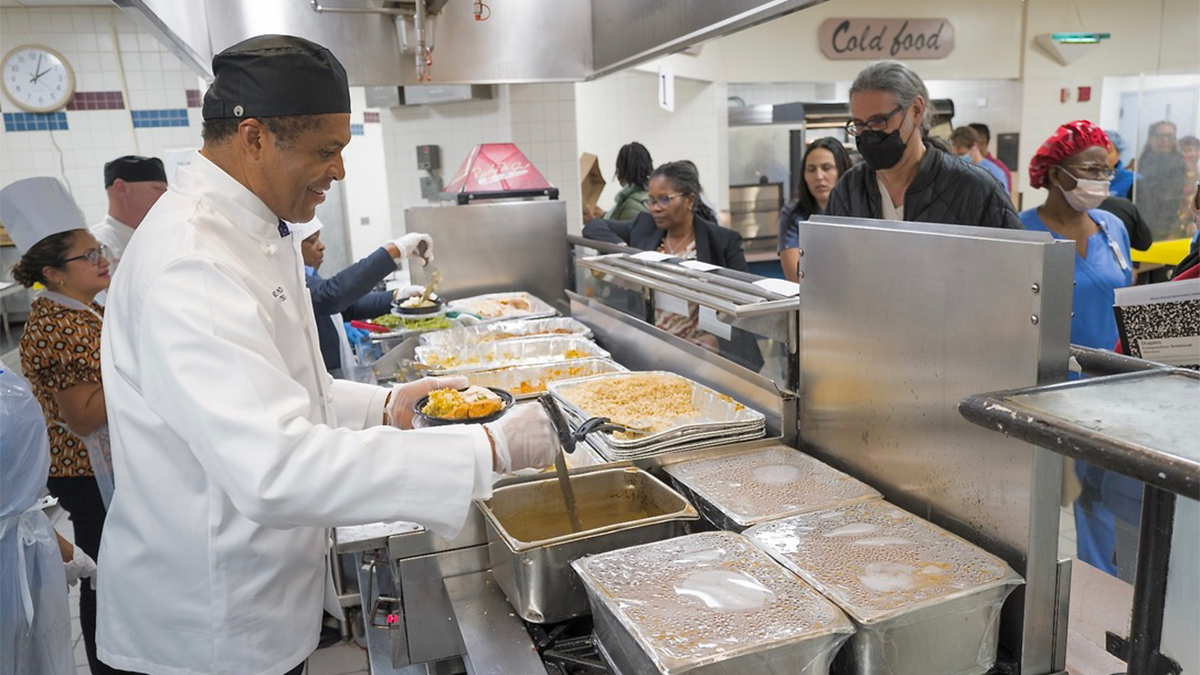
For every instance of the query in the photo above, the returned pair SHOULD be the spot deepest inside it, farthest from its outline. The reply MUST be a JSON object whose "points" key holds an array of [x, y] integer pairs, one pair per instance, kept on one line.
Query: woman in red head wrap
{"points": [[1072, 165]]}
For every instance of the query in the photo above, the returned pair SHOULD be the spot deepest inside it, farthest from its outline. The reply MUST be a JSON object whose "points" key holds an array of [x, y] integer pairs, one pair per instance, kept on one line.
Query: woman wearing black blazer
{"points": [[677, 223]]}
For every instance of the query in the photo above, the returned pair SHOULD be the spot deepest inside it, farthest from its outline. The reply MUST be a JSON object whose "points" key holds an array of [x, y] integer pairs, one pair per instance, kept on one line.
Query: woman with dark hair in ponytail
{"points": [[679, 225], [633, 173]]}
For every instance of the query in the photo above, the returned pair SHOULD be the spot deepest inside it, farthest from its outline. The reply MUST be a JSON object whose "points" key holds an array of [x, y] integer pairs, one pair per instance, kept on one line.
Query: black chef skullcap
{"points": [[274, 75], [134, 169]]}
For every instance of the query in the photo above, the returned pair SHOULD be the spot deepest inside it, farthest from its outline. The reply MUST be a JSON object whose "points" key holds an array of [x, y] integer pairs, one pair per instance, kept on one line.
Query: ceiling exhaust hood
{"points": [[513, 42]]}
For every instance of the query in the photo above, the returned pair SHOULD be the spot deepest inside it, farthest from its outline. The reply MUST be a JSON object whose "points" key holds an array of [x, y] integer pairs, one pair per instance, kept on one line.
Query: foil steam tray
{"points": [[491, 355], [525, 382], [506, 330], [738, 491], [677, 441], [713, 412], [925, 602], [708, 603], [483, 306]]}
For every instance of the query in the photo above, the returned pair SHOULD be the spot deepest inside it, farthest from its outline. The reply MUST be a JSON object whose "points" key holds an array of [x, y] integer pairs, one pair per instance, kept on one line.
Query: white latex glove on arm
{"points": [[523, 439], [404, 396], [410, 246], [405, 292], [81, 566]]}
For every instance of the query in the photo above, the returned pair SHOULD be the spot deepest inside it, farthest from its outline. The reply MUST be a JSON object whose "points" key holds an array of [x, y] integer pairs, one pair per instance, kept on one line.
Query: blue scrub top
{"points": [[1096, 279]]}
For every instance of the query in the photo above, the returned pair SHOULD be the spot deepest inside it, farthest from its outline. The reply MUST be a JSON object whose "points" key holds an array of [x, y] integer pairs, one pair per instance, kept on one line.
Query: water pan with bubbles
{"points": [[924, 601], [740, 490], [708, 604], [531, 542]]}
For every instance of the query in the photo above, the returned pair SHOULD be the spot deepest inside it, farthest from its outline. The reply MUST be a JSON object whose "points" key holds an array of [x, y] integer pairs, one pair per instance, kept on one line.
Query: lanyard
{"points": [[1113, 246]]}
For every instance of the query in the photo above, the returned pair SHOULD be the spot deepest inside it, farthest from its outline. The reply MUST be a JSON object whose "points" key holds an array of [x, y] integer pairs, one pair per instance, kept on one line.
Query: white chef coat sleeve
{"points": [[358, 405], [212, 368]]}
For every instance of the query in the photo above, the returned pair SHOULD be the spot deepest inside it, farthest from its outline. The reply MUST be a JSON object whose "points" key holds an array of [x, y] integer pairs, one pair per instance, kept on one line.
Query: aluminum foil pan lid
{"points": [[707, 597], [768, 484], [876, 560]]}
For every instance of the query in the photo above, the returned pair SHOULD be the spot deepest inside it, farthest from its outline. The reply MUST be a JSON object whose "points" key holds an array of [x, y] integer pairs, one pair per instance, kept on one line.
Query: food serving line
{"points": [[839, 514]]}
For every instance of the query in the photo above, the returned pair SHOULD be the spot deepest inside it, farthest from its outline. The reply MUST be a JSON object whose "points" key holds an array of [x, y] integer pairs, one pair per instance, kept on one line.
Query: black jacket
{"points": [[714, 245], [349, 292], [945, 190], [1140, 237]]}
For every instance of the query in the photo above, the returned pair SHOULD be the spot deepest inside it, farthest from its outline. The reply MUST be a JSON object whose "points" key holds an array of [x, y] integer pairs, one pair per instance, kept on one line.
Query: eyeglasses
{"points": [[877, 123], [1163, 135], [1089, 171], [660, 202], [92, 255]]}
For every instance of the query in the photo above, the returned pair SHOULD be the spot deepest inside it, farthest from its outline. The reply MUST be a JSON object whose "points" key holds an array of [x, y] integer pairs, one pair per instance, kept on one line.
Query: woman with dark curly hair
{"points": [[824, 161]]}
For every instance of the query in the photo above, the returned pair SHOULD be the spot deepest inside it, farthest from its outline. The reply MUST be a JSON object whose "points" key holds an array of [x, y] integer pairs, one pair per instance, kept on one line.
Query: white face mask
{"points": [[1088, 194]]}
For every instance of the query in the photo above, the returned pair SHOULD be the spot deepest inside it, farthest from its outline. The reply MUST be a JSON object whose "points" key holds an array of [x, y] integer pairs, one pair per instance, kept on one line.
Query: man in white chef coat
{"points": [[133, 185], [233, 449]]}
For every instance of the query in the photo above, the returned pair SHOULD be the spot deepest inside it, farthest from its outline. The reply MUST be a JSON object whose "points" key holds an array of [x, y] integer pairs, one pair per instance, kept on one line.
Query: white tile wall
{"points": [[154, 77], [622, 108], [539, 118]]}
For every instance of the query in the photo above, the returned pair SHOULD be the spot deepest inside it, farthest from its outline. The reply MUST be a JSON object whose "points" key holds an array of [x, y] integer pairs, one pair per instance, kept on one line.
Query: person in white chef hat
{"points": [[60, 356], [233, 449]]}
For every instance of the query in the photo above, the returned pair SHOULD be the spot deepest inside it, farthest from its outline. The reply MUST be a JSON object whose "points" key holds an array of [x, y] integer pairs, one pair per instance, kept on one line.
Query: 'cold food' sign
{"points": [[872, 39]]}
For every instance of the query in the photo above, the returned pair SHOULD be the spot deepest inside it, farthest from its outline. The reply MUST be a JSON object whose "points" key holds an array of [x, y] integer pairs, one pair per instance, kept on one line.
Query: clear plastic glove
{"points": [[405, 396], [415, 244], [524, 439], [81, 567], [409, 291], [467, 320]]}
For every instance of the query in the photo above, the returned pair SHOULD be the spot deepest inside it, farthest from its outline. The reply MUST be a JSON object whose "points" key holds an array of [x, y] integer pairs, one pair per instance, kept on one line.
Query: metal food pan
{"points": [[492, 355], [506, 330], [924, 601], [708, 604], [697, 443], [714, 410], [531, 546], [735, 492], [525, 382], [538, 308], [675, 441]]}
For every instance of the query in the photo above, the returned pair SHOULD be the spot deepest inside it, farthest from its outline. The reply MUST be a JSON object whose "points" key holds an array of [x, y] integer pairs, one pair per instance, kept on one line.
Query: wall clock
{"points": [[37, 78]]}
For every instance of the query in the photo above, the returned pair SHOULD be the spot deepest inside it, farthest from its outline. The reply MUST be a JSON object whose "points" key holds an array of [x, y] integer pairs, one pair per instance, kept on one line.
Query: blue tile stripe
{"points": [[145, 119], [356, 130], [22, 121]]}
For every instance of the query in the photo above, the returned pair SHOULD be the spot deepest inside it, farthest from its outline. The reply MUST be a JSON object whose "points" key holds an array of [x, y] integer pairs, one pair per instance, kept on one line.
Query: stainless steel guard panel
{"points": [[898, 323], [497, 247]]}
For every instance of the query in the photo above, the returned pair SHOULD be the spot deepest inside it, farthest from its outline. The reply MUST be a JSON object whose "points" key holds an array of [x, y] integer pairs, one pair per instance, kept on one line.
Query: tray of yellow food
{"points": [[473, 405], [507, 330], [511, 305], [677, 413], [525, 382], [491, 355]]}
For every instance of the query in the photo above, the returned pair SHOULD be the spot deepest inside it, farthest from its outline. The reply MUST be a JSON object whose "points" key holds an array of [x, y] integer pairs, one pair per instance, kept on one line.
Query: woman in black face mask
{"points": [[903, 175]]}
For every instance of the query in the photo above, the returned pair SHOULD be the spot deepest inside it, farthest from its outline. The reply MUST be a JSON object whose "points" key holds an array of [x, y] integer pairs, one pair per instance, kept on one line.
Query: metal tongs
{"points": [[568, 438]]}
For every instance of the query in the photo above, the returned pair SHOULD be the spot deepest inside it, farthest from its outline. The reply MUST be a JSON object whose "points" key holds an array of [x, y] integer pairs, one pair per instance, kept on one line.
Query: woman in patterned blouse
{"points": [[60, 355]]}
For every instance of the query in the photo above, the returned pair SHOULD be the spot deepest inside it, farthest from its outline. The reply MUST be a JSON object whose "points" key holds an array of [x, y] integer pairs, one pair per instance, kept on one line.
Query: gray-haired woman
{"points": [[903, 175]]}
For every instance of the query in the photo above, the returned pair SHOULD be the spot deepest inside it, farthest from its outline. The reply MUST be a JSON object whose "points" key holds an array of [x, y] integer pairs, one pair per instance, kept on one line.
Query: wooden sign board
{"points": [[874, 39]]}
